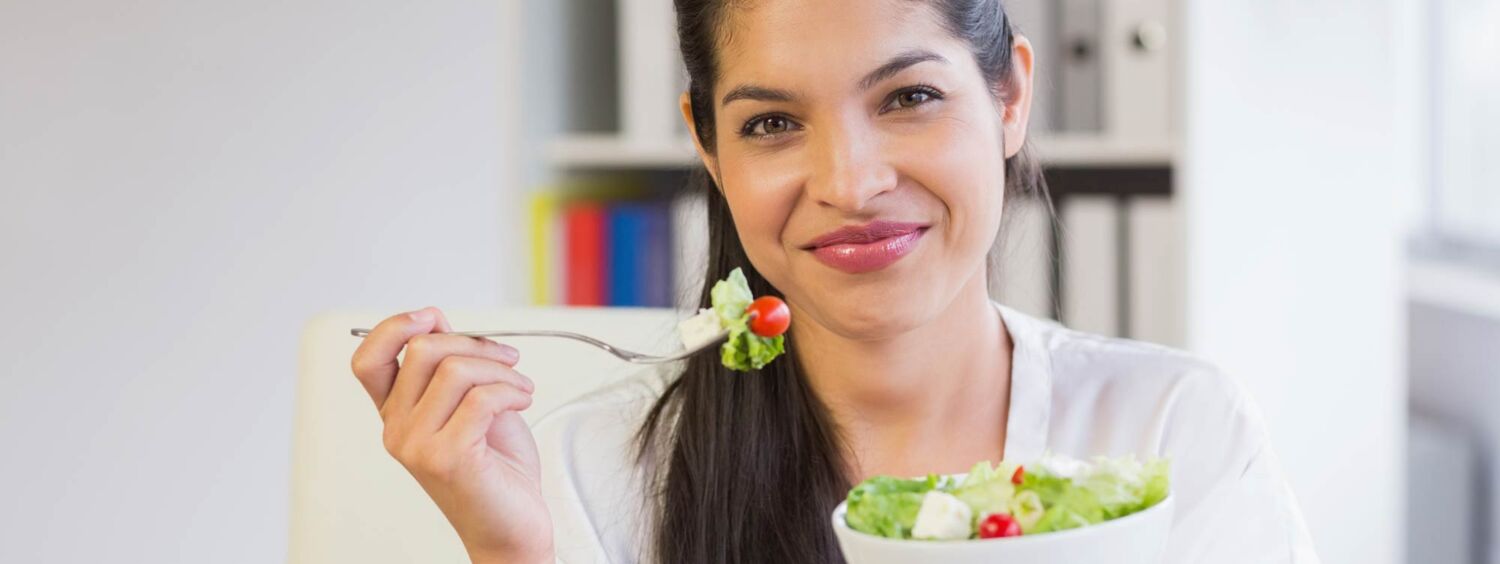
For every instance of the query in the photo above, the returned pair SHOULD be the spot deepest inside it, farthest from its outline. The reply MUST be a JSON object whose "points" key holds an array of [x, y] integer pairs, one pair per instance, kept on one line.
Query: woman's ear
{"points": [[1015, 96], [686, 105]]}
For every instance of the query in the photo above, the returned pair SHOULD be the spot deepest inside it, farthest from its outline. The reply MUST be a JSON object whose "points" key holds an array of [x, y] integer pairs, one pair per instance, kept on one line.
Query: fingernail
{"points": [[509, 353], [423, 315]]}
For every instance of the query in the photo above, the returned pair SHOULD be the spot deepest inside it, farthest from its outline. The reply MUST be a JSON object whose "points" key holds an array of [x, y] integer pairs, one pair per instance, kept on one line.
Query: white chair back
{"points": [[351, 502]]}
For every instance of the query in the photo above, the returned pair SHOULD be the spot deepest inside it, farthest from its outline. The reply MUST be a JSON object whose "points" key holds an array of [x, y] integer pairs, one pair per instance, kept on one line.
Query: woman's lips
{"points": [[867, 248]]}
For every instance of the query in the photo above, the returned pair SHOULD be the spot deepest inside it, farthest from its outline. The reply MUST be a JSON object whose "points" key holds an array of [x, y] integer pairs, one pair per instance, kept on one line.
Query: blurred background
{"points": [[1307, 193]]}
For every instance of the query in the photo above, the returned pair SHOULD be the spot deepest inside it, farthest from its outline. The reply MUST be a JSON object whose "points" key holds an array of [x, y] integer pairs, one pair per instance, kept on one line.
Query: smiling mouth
{"points": [[859, 249]]}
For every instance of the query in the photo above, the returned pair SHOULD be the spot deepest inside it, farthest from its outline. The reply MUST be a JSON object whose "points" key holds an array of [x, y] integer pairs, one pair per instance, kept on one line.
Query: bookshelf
{"points": [[587, 151], [609, 74]]}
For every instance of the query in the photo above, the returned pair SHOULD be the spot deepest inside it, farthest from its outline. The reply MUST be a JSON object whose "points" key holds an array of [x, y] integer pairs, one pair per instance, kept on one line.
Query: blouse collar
{"points": [[1030, 385]]}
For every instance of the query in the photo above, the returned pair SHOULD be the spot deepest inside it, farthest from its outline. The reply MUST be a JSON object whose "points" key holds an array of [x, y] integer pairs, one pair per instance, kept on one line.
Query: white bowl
{"points": [[1138, 538]]}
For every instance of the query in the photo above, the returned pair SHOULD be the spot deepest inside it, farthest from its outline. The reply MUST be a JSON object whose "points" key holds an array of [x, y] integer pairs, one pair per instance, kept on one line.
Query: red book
{"points": [[583, 225]]}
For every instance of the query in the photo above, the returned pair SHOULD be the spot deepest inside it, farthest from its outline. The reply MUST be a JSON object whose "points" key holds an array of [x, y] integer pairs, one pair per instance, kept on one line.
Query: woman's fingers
{"points": [[454, 377], [442, 322], [479, 408], [374, 362], [425, 352]]}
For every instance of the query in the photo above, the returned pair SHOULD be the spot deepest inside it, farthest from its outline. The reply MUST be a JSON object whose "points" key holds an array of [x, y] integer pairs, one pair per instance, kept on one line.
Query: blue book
{"points": [[626, 228], [657, 255]]}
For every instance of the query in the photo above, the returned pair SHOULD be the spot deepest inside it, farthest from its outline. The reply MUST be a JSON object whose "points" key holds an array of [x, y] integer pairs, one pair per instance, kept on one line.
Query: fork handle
{"points": [[517, 333]]}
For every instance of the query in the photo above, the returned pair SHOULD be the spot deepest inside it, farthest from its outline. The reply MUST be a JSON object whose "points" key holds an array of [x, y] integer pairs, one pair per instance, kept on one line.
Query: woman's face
{"points": [[862, 156]]}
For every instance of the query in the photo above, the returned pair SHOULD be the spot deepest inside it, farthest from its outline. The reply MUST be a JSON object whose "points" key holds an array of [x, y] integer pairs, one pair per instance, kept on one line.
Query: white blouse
{"points": [[1071, 393]]}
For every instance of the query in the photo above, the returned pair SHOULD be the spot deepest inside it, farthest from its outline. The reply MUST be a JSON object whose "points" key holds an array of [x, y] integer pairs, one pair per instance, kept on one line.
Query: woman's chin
{"points": [[876, 307], [872, 321]]}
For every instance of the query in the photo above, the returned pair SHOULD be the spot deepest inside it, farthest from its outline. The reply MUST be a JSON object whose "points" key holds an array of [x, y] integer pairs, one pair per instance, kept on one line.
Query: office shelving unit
{"points": [[606, 78]]}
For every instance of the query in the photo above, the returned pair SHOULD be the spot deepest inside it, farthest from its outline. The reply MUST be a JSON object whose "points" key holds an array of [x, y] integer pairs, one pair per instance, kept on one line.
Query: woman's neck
{"points": [[933, 399]]}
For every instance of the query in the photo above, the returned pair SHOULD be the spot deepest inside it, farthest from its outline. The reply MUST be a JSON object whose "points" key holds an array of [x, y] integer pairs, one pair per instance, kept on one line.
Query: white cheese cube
{"points": [[699, 329], [942, 517]]}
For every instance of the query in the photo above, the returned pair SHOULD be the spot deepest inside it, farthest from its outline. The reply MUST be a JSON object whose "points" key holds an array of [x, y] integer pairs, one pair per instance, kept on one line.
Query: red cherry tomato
{"points": [[769, 316], [1018, 476], [998, 525]]}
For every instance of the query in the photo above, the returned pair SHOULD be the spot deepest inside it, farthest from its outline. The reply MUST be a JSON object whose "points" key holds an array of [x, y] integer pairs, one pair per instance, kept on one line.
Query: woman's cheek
{"points": [[963, 168], [761, 198]]}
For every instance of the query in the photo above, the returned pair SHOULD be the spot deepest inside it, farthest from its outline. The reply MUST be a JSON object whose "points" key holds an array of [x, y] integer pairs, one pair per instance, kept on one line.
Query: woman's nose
{"points": [[850, 170]]}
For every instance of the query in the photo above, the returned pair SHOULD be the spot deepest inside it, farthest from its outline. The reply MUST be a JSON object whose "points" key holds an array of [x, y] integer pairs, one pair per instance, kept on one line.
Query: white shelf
{"points": [[1095, 150], [612, 151], [1454, 285]]}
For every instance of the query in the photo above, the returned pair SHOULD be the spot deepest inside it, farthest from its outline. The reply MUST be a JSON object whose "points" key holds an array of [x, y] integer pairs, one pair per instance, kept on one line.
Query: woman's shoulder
{"points": [[1134, 369], [1183, 405]]}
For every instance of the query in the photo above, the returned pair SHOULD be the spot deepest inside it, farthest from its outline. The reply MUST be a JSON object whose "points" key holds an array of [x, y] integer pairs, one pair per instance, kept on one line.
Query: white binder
{"points": [[651, 73], [1137, 59], [1080, 93]]}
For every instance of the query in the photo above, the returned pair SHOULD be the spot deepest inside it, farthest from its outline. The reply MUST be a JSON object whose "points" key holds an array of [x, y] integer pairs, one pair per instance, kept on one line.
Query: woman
{"points": [[859, 156]]}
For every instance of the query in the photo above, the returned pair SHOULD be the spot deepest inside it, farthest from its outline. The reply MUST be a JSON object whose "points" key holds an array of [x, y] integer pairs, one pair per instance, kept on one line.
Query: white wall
{"points": [[182, 183], [1454, 366], [1466, 76], [1295, 159]]}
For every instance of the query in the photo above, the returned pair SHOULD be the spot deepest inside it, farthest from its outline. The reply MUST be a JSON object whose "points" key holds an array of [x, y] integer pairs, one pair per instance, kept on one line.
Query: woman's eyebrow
{"points": [[761, 93], [898, 64], [887, 70]]}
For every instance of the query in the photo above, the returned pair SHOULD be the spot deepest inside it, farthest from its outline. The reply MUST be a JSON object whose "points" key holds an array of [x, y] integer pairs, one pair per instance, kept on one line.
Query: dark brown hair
{"points": [[748, 467]]}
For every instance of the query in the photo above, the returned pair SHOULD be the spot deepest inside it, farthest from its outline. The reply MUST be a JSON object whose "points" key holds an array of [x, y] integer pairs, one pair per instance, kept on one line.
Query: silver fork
{"points": [[622, 354]]}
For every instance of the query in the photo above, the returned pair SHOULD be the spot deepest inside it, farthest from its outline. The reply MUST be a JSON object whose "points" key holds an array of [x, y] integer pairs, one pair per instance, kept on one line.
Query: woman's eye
{"points": [[768, 126], [909, 99], [912, 97]]}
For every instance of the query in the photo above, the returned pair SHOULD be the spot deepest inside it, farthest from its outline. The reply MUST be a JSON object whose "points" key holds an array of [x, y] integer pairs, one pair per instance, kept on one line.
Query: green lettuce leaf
{"points": [[731, 296], [1054, 495], [987, 489], [887, 506], [1124, 485], [1156, 475], [744, 350], [1067, 506], [1027, 509]]}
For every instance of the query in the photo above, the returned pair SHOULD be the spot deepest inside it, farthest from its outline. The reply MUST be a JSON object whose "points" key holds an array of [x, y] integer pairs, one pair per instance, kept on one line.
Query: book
{"points": [[546, 271], [639, 260], [586, 269], [613, 241], [627, 237], [657, 255]]}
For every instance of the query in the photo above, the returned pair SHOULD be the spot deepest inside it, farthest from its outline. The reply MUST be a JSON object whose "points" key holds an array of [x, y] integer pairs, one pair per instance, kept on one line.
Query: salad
{"points": [[755, 326], [1006, 500]]}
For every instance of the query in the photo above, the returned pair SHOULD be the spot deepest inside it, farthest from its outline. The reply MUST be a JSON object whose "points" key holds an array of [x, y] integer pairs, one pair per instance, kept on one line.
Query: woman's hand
{"points": [[451, 418]]}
